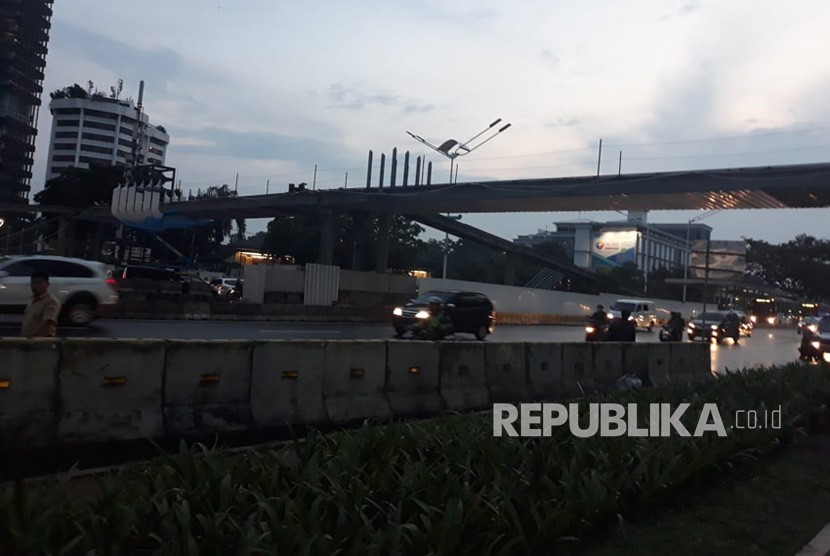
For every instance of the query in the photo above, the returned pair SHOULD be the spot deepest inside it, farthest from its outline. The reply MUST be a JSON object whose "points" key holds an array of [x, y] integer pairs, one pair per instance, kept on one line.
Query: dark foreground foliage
{"points": [[443, 486]]}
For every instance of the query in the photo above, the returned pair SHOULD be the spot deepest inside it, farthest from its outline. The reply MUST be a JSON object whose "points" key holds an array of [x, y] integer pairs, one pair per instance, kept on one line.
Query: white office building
{"points": [[100, 130]]}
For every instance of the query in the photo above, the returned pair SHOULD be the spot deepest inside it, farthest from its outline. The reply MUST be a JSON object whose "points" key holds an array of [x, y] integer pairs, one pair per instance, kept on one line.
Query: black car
{"points": [[715, 324], [470, 312]]}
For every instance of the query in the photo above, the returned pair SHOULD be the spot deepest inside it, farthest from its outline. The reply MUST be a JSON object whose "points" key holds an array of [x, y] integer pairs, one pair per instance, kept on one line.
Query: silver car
{"points": [[84, 288]]}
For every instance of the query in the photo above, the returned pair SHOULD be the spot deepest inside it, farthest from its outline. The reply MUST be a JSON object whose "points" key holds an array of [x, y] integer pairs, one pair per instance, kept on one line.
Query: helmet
{"points": [[600, 307], [436, 300]]}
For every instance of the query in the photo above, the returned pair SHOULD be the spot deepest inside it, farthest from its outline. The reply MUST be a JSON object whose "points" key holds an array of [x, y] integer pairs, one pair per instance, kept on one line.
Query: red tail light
{"points": [[110, 282]]}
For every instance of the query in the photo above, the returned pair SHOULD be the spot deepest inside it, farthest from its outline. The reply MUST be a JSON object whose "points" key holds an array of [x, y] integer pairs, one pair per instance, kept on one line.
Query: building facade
{"points": [[607, 244], [24, 36], [95, 129]]}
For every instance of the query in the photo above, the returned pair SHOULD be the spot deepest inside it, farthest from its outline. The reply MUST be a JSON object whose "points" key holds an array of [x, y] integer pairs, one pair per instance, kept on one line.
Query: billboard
{"points": [[617, 246], [727, 259]]}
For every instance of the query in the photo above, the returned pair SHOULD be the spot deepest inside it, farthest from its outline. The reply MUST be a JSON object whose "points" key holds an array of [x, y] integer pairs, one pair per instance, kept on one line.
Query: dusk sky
{"points": [[268, 89]]}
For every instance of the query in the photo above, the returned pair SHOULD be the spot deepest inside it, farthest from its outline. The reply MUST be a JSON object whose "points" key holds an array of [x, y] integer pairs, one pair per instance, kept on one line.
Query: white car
{"points": [[224, 286], [84, 288], [642, 312]]}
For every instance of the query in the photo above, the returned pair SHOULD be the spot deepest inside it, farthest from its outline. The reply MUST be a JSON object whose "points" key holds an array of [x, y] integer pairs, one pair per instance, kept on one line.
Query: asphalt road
{"points": [[765, 347]]}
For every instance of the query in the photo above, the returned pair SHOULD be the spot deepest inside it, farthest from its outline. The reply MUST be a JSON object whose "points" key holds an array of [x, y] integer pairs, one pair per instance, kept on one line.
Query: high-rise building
{"points": [[91, 128], [24, 35]]}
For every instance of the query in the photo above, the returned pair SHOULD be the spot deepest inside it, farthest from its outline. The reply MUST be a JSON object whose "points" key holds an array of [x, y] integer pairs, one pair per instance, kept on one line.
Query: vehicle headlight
{"points": [[398, 312], [714, 332], [816, 345], [610, 316], [589, 329], [812, 328], [422, 315], [753, 318], [714, 327], [771, 320], [691, 325]]}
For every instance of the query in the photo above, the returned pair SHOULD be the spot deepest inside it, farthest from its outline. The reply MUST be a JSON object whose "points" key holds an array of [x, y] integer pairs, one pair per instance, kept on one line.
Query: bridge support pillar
{"points": [[510, 269], [327, 233], [382, 252]]}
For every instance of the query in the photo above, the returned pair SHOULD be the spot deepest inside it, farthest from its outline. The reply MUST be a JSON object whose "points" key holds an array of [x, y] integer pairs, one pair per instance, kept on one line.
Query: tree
{"points": [[298, 237], [800, 266]]}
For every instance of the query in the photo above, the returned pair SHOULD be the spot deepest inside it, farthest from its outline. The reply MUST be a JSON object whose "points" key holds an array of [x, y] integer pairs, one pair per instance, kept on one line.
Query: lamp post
{"points": [[452, 149], [688, 245], [447, 245]]}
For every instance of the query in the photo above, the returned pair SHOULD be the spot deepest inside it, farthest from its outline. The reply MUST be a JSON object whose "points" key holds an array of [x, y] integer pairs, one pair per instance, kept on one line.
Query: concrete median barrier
{"points": [[463, 376], [506, 371], [577, 368], [110, 390], [354, 384], [607, 366], [692, 361], [28, 388], [287, 383], [207, 386], [636, 360], [660, 363], [412, 378], [544, 371]]}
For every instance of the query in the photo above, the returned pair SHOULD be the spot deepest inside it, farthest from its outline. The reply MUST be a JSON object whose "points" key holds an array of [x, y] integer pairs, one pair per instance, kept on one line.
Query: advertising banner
{"points": [[617, 246], [727, 259]]}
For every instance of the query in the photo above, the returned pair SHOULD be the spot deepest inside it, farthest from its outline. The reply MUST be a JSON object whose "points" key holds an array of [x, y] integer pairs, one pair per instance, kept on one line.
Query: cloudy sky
{"points": [[268, 89]]}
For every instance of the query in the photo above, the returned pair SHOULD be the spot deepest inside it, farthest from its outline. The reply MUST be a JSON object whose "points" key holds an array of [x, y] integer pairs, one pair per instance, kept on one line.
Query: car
{"points": [[224, 286], [746, 323], [642, 311], [716, 325], [809, 323], [470, 312], [150, 279], [85, 288]]}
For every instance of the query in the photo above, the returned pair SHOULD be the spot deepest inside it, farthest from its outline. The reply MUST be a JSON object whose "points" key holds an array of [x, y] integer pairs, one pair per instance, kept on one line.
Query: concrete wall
{"points": [[518, 300], [84, 391], [260, 279]]}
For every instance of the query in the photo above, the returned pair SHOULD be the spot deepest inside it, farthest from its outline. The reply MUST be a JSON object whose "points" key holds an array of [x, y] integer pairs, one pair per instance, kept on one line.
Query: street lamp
{"points": [[688, 245], [452, 149], [447, 245]]}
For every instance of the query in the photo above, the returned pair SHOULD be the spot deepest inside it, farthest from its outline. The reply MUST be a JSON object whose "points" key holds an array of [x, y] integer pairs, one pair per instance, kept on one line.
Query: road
{"points": [[765, 347]]}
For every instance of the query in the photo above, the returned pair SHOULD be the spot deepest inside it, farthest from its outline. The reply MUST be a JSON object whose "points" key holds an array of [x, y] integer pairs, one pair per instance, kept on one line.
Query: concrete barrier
{"points": [[412, 378], [544, 371], [207, 386], [607, 366], [660, 363], [28, 387], [110, 390], [694, 359], [354, 384], [463, 376], [577, 365], [636, 359], [287, 383], [506, 371]]}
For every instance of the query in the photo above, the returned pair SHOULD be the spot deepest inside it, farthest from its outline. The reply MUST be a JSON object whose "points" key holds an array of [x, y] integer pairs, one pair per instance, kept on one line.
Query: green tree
{"points": [[800, 266]]}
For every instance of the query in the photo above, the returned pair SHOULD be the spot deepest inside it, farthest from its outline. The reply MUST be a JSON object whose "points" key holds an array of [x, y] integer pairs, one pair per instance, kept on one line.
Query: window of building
{"points": [[100, 114], [68, 123], [64, 146], [97, 137], [96, 149], [96, 125], [63, 158], [93, 160], [66, 135], [63, 111], [157, 141], [125, 142]]}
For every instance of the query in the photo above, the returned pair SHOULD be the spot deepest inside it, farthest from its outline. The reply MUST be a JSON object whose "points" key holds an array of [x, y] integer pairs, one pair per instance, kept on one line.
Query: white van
{"points": [[642, 311]]}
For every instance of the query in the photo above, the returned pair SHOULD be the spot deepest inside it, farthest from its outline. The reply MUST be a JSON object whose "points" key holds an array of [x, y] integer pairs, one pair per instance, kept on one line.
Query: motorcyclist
{"points": [[622, 329], [806, 350], [600, 317], [675, 326], [438, 325]]}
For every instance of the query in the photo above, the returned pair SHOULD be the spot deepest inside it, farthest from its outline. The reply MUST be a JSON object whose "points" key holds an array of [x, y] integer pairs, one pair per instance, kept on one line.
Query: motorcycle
{"points": [[595, 332], [671, 334], [811, 349]]}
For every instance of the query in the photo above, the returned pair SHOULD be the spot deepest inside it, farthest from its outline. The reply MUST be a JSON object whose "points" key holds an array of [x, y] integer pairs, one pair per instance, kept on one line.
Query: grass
{"points": [[773, 509]]}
